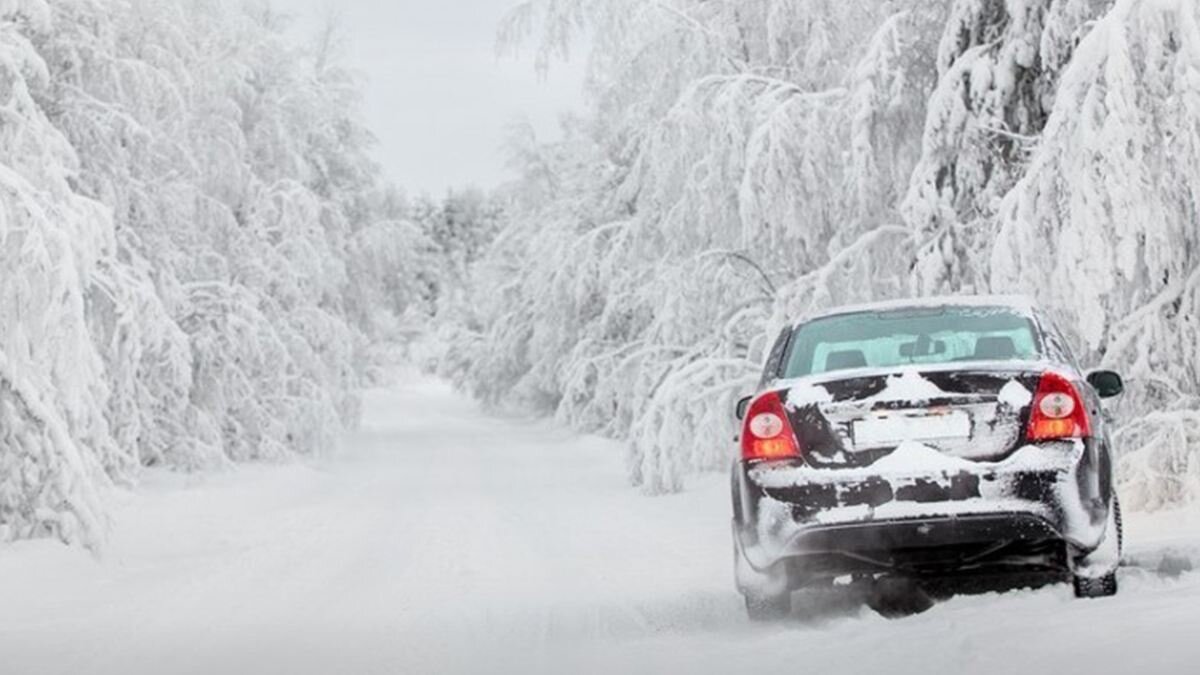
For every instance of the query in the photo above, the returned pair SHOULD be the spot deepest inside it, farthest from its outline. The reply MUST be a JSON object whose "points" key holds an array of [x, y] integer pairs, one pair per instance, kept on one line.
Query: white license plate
{"points": [[897, 428]]}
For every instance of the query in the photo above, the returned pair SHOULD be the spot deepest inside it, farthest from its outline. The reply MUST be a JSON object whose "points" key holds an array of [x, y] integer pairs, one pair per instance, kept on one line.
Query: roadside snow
{"points": [[449, 542]]}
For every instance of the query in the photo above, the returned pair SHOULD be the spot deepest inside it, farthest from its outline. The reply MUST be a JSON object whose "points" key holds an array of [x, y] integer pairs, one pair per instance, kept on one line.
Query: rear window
{"points": [[911, 336]]}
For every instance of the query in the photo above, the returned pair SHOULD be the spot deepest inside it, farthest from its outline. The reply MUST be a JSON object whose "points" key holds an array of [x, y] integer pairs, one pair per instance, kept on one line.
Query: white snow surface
{"points": [[445, 541], [911, 456], [806, 393]]}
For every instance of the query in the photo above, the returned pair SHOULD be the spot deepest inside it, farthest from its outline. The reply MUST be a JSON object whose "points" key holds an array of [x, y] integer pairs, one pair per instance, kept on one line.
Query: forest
{"points": [[201, 265], [744, 164], [199, 259]]}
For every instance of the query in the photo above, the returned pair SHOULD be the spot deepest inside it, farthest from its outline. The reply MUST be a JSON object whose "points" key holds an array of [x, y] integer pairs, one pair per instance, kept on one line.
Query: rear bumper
{"points": [[827, 522], [930, 532]]}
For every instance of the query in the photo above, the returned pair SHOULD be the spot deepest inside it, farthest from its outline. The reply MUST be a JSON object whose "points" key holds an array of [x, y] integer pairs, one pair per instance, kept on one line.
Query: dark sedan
{"points": [[925, 445]]}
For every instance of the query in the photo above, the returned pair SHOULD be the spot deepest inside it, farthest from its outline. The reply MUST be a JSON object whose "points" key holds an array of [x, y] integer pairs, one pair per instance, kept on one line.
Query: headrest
{"points": [[845, 360], [995, 348]]}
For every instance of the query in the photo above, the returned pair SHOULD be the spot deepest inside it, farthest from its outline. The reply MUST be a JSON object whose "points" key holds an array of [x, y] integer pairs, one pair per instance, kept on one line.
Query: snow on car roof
{"points": [[1019, 303]]}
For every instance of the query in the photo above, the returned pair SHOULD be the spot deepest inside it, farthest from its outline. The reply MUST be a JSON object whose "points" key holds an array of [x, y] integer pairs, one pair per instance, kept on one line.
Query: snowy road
{"points": [[447, 541]]}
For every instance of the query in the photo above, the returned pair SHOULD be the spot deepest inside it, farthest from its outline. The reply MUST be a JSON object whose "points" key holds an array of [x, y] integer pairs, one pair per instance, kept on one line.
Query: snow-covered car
{"points": [[933, 443]]}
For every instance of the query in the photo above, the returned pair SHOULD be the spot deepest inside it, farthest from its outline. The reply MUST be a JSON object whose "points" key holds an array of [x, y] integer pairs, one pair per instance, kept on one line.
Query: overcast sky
{"points": [[437, 96]]}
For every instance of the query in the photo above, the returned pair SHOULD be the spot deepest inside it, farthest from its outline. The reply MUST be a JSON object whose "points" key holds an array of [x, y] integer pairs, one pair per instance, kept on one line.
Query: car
{"points": [[923, 447]]}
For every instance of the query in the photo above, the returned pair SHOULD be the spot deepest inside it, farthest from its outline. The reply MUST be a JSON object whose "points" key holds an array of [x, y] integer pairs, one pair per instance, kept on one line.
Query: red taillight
{"points": [[1057, 411], [767, 434]]}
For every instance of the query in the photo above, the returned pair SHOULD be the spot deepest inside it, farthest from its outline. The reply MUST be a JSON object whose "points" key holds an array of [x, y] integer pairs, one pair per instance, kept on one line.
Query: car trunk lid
{"points": [[971, 413]]}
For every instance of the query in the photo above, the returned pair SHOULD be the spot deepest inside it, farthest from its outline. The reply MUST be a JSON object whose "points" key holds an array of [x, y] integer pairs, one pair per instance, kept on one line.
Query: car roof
{"points": [[1017, 303]]}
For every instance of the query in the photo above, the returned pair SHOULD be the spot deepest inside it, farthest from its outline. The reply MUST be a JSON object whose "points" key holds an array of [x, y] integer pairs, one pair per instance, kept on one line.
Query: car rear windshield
{"points": [[884, 339]]}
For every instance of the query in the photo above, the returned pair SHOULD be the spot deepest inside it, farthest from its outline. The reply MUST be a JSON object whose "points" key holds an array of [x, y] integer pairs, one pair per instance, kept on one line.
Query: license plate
{"points": [[896, 428]]}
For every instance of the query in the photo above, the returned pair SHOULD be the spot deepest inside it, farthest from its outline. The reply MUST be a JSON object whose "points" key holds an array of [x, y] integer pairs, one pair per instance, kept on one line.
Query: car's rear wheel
{"points": [[767, 592], [768, 608], [898, 597], [1104, 585], [1099, 587]]}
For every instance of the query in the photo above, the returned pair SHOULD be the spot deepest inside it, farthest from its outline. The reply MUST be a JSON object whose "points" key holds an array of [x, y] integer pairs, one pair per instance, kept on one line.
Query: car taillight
{"points": [[1058, 412], [767, 434]]}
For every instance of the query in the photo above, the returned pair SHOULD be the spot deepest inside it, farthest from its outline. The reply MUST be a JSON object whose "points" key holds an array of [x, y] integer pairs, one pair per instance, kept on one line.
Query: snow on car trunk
{"points": [[973, 412]]}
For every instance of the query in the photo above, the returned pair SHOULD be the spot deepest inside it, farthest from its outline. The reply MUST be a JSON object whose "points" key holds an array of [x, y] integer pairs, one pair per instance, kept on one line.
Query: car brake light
{"points": [[767, 434], [1058, 411]]}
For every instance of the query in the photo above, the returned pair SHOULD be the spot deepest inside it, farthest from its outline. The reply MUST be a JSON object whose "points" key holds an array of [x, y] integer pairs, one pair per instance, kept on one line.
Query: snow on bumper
{"points": [[1048, 489]]}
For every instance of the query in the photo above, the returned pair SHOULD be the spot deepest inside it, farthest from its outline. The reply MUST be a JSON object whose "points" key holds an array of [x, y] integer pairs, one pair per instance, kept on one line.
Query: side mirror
{"points": [[742, 406], [1106, 383]]}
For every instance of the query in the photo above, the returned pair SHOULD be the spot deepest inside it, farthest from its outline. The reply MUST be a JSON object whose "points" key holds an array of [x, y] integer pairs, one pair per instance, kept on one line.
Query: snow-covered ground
{"points": [[445, 540]]}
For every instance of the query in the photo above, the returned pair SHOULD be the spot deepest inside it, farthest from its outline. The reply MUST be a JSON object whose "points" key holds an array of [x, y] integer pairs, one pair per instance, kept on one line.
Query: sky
{"points": [[437, 96]]}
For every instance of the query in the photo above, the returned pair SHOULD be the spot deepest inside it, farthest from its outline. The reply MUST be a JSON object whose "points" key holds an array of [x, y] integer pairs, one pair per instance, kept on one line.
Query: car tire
{"points": [[1104, 586], [898, 597], [769, 608], [1098, 587]]}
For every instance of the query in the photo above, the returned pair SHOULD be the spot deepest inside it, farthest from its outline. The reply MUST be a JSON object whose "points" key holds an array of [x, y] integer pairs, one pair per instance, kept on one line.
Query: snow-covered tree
{"points": [[54, 438], [1103, 228], [242, 185], [746, 163], [652, 253], [999, 63], [197, 248]]}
